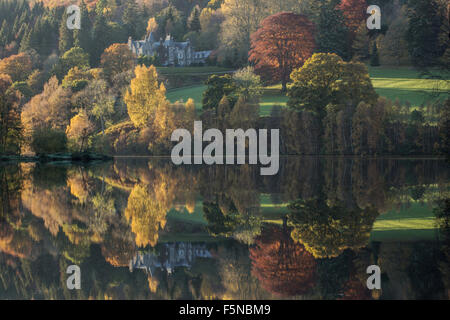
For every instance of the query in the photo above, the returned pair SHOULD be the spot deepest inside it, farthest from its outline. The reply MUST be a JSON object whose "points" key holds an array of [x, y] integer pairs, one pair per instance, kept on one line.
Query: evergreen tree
{"points": [[82, 37], [423, 32], [4, 34], [132, 20], [194, 20], [332, 33], [25, 44], [65, 36], [100, 41]]}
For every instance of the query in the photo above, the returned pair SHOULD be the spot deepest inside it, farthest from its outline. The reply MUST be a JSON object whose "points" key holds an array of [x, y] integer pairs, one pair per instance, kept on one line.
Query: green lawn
{"points": [[183, 94], [268, 100], [404, 84]]}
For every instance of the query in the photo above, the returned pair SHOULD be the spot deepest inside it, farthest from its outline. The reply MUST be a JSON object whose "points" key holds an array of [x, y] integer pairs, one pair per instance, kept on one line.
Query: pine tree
{"points": [[194, 20], [25, 44], [65, 36], [100, 42], [332, 33], [423, 32], [131, 19], [82, 37], [4, 34]]}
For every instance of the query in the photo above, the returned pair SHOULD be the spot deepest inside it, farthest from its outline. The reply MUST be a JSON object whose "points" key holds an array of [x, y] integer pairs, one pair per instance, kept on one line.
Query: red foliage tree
{"points": [[354, 11], [282, 266], [283, 42]]}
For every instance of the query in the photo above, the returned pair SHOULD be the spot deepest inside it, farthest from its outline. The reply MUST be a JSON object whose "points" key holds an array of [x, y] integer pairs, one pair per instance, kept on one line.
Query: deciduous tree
{"points": [[116, 59], [11, 136], [18, 66], [145, 96], [282, 266], [282, 43], [354, 12]]}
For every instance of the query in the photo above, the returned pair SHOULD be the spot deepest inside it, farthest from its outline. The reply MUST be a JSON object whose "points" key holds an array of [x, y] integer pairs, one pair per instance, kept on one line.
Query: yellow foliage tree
{"points": [[152, 25], [146, 214], [145, 96], [79, 128]]}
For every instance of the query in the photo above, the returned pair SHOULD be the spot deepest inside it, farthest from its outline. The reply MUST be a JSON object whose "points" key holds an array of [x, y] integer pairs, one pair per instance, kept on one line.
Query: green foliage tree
{"points": [[218, 86], [194, 20], [423, 32], [48, 141], [65, 36], [248, 84], [326, 231], [332, 33], [361, 43], [312, 84], [75, 57], [82, 36], [11, 133], [132, 20], [393, 46]]}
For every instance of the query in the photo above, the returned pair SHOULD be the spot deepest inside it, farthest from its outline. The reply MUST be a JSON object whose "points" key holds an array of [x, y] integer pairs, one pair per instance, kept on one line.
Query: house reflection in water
{"points": [[171, 255]]}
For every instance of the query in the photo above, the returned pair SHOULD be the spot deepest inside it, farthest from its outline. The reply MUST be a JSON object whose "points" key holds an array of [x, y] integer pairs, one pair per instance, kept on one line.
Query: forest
{"points": [[83, 90]]}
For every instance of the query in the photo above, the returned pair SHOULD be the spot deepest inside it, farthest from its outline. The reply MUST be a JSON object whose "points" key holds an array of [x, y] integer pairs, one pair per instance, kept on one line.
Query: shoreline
{"points": [[69, 157]]}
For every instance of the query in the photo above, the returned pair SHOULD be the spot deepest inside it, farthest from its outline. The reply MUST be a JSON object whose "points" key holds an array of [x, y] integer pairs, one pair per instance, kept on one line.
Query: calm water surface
{"points": [[141, 228]]}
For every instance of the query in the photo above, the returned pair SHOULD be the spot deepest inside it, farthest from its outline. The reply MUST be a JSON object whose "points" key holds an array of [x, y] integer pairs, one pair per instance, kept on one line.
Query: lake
{"points": [[142, 228]]}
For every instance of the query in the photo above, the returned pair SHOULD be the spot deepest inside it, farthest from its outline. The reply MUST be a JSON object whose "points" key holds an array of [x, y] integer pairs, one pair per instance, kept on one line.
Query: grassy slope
{"points": [[406, 85], [402, 83], [183, 94]]}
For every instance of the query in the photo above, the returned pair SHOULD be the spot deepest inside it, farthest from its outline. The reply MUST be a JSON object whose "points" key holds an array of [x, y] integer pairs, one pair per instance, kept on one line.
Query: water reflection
{"points": [[225, 232]]}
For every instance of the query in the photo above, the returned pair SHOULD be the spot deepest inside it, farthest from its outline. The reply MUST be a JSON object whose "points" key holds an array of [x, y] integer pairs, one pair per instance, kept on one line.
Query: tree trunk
{"points": [[283, 86]]}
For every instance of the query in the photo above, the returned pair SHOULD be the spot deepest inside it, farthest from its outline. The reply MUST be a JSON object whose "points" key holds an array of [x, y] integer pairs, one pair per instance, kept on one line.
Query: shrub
{"points": [[46, 141]]}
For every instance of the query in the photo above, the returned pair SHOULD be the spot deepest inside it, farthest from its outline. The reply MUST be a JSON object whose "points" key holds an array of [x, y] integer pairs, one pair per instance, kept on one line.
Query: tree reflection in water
{"points": [[103, 216]]}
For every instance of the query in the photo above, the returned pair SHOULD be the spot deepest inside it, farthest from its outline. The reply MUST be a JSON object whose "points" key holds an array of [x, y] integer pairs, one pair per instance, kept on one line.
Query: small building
{"points": [[170, 52]]}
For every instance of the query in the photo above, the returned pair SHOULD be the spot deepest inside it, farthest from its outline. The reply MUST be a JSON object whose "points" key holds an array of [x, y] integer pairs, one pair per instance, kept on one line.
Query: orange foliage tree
{"points": [[117, 59], [282, 43], [282, 266], [18, 66]]}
